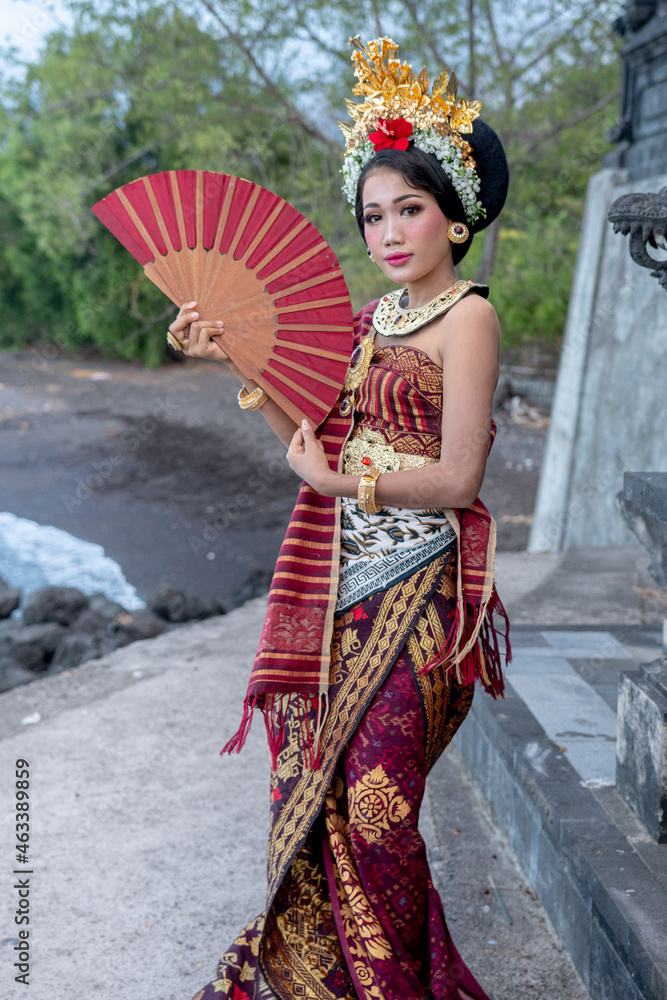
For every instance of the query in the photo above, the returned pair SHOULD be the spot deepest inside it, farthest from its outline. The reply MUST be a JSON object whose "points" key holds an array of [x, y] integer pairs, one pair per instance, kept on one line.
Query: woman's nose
{"points": [[392, 233]]}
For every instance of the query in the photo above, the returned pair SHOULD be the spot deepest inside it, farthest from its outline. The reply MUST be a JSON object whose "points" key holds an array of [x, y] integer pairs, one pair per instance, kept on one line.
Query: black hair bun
{"points": [[492, 170]]}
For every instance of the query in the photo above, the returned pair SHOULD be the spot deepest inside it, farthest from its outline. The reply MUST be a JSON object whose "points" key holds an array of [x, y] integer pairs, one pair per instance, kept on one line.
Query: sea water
{"points": [[36, 555]]}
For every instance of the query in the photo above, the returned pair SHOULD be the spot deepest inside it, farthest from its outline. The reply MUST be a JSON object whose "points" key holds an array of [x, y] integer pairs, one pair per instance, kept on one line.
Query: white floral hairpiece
{"points": [[465, 180]]}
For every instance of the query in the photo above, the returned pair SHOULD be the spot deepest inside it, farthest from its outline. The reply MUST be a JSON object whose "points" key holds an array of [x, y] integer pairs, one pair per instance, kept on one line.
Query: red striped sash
{"points": [[294, 650]]}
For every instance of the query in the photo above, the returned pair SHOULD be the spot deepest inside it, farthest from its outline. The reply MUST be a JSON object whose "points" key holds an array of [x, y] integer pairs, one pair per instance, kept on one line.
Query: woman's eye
{"points": [[372, 217], [411, 209]]}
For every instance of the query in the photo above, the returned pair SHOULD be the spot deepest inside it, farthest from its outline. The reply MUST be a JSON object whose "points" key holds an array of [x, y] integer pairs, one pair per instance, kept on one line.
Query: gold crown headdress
{"points": [[398, 109]]}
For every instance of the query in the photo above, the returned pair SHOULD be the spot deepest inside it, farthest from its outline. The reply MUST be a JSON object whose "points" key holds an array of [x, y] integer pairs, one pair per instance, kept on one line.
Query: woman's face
{"points": [[404, 227]]}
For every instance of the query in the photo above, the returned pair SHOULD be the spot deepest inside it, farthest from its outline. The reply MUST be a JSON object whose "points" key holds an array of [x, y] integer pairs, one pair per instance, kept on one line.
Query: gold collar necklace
{"points": [[390, 319]]}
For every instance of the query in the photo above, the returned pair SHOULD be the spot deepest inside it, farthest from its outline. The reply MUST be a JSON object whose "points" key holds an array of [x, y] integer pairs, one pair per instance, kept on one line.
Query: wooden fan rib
{"points": [[247, 212], [317, 352], [310, 283], [127, 205], [176, 195], [310, 372], [262, 232], [279, 247], [224, 213], [315, 304], [157, 212], [251, 371], [298, 389], [297, 262], [173, 255], [165, 282], [311, 328], [199, 210]]}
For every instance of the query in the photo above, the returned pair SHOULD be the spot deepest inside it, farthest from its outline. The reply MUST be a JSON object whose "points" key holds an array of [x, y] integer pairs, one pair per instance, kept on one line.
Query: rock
{"points": [[54, 604], [101, 605], [10, 598], [255, 584], [29, 646], [177, 606], [74, 649], [132, 626], [92, 622]]}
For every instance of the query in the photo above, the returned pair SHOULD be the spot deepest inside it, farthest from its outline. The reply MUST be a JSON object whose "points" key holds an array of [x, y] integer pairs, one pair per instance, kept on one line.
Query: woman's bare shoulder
{"points": [[472, 307], [473, 321]]}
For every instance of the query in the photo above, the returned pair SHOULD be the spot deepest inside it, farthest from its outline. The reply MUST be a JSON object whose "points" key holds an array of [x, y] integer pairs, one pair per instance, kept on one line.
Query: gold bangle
{"points": [[173, 342], [251, 400], [366, 492]]}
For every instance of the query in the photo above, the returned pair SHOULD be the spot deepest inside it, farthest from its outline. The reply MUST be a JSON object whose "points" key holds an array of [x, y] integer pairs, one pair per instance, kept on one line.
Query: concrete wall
{"points": [[610, 405]]}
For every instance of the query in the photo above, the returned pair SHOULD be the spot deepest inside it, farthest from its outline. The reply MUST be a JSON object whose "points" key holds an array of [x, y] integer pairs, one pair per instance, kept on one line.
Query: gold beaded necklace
{"points": [[390, 319]]}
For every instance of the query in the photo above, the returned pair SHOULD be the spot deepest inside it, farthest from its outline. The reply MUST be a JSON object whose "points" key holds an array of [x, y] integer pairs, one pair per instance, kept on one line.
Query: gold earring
{"points": [[368, 251], [458, 232]]}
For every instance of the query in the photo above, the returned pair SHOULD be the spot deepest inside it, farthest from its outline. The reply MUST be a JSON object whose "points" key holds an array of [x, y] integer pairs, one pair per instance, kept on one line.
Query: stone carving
{"points": [[644, 217], [641, 131], [634, 16], [643, 504]]}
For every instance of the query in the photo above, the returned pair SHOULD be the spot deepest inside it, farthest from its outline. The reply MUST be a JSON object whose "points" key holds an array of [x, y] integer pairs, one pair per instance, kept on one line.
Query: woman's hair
{"points": [[420, 170]]}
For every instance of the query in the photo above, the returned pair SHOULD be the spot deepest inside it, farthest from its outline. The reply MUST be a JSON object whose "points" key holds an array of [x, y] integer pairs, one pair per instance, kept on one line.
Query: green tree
{"points": [[254, 87]]}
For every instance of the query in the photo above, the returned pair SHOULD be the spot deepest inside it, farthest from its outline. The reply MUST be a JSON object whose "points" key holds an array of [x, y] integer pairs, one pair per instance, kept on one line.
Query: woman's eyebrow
{"points": [[402, 197]]}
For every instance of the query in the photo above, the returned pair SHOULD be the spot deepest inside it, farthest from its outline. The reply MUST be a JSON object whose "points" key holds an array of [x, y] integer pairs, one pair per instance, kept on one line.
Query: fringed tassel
{"points": [[461, 641], [472, 648], [449, 647], [274, 721], [322, 712], [237, 742], [490, 647], [311, 715]]}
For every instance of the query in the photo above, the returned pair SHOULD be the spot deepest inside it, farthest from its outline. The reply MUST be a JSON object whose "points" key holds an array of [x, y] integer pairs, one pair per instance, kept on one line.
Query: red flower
{"points": [[391, 134]]}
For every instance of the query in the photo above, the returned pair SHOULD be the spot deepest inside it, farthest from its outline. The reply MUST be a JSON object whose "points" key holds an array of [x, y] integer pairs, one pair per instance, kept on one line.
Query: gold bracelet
{"points": [[251, 400], [173, 341], [366, 492]]}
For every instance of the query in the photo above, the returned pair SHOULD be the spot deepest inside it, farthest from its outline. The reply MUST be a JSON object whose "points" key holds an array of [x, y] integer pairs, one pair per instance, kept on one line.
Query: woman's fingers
{"points": [[297, 446], [198, 337], [201, 340], [186, 315]]}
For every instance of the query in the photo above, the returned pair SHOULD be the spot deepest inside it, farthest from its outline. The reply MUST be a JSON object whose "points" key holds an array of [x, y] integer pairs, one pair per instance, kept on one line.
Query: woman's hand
{"points": [[306, 457], [197, 337]]}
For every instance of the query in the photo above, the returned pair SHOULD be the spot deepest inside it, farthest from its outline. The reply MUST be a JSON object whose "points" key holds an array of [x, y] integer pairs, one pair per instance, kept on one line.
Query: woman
{"points": [[380, 612]]}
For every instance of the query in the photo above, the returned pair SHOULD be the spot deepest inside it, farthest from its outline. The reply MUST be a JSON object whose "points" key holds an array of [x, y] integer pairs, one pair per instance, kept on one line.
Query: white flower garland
{"points": [[464, 179]]}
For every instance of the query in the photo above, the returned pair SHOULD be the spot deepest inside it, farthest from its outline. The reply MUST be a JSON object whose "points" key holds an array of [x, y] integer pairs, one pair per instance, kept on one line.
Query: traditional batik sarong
{"points": [[351, 910]]}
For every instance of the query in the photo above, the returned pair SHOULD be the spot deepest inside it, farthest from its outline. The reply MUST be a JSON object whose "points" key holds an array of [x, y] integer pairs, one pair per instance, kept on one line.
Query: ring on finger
{"points": [[173, 342]]}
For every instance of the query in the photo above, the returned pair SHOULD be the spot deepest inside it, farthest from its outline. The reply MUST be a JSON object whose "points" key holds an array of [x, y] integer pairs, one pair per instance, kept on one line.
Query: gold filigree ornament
{"points": [[357, 372], [368, 450], [390, 319], [392, 94]]}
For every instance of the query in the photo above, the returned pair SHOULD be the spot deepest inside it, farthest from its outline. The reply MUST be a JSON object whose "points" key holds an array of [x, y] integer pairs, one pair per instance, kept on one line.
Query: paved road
{"points": [[148, 848]]}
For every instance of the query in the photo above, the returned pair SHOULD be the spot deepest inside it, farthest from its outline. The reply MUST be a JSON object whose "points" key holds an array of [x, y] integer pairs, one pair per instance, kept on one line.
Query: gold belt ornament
{"points": [[369, 450]]}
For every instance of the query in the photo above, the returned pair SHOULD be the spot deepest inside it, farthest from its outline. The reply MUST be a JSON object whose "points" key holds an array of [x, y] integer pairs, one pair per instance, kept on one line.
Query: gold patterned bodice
{"points": [[401, 398]]}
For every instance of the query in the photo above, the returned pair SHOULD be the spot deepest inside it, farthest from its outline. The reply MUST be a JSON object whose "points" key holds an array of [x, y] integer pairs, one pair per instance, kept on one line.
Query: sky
{"points": [[24, 23]]}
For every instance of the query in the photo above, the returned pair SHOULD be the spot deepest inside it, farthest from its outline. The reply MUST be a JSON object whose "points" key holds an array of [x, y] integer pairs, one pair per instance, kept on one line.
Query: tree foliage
{"points": [[254, 87]]}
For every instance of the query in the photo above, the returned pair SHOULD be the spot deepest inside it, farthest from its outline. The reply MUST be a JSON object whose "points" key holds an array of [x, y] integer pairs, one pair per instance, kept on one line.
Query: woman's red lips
{"points": [[398, 258]]}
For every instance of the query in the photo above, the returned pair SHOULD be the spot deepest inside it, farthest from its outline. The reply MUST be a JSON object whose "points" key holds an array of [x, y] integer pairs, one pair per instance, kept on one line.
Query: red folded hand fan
{"points": [[248, 258]]}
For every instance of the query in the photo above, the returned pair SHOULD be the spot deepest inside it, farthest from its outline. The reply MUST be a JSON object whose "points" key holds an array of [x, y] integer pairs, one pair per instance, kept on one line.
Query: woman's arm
{"points": [[469, 341], [199, 339]]}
